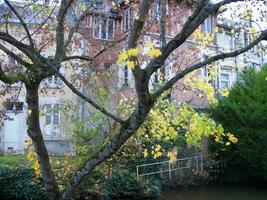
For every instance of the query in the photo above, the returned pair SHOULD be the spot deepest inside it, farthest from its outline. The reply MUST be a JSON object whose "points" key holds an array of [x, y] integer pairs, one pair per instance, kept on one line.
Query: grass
{"points": [[13, 160]]}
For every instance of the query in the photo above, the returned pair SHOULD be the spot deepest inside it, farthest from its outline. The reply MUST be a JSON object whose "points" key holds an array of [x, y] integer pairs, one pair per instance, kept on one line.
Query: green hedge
{"points": [[19, 184], [244, 114]]}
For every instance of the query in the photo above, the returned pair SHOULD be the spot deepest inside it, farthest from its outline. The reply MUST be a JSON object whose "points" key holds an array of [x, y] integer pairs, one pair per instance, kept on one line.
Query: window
{"points": [[156, 10], [51, 114], [127, 19], [207, 25], [14, 106], [103, 28], [107, 66], [53, 81], [52, 119], [224, 80], [246, 38], [225, 41]]}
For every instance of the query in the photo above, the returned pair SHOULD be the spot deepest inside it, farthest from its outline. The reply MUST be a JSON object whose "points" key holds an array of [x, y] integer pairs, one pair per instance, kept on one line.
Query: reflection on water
{"points": [[218, 192]]}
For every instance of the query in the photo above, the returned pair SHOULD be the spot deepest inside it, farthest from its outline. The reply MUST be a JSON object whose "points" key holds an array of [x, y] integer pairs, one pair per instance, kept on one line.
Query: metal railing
{"points": [[197, 163]]}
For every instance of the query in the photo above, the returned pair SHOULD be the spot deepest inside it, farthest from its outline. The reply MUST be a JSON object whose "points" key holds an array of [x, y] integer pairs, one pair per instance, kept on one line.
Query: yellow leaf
{"points": [[136, 17], [131, 64], [123, 56], [29, 111], [224, 92], [154, 53], [149, 44], [145, 153], [133, 52]]}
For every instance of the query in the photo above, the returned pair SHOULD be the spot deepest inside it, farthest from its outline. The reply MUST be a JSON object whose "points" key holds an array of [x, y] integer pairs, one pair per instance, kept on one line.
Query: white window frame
{"points": [[223, 37], [53, 81], [229, 79], [127, 19], [51, 114], [100, 28]]}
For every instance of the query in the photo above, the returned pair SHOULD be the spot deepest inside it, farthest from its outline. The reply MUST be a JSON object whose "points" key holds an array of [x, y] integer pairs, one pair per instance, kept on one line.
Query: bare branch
{"points": [[60, 50], [16, 57], [75, 27], [87, 99], [208, 61], [139, 23]]}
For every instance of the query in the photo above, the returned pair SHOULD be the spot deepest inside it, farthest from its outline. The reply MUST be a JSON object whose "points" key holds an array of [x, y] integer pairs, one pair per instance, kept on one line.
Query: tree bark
{"points": [[34, 132]]}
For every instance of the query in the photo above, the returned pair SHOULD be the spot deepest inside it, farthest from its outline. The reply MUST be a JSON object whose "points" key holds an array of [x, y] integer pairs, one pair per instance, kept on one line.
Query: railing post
{"points": [[170, 172], [137, 172], [201, 163], [197, 162]]}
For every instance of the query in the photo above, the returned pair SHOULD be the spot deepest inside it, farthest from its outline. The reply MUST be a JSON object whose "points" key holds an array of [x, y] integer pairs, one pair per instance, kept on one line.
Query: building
{"points": [[103, 24]]}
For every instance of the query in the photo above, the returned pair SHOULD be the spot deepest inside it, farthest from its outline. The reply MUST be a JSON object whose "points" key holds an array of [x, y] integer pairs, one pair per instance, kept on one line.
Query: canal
{"points": [[218, 192]]}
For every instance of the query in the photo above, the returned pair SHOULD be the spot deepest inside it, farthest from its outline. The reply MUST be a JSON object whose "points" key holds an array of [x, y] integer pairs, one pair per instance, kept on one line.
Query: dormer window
{"points": [[156, 10], [53, 81], [103, 28]]}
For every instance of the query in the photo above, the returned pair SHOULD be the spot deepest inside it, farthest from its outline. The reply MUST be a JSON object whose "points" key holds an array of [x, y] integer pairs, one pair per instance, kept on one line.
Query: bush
{"points": [[124, 184], [19, 183], [244, 114]]}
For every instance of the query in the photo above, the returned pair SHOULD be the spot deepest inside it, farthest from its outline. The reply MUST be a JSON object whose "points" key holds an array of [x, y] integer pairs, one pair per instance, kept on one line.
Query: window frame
{"points": [[49, 114], [54, 83], [228, 81], [206, 26], [100, 28], [129, 20]]}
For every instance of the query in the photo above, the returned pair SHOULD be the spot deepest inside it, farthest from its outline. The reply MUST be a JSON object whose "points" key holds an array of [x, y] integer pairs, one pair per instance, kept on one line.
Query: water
{"points": [[217, 192]]}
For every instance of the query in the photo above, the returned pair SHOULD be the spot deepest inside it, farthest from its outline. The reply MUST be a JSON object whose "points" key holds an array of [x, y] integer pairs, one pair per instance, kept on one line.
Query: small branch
{"points": [[22, 22], [90, 59]]}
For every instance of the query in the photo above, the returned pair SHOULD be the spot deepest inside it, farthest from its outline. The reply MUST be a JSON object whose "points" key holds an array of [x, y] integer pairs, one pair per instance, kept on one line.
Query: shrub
{"points": [[244, 114], [19, 183]]}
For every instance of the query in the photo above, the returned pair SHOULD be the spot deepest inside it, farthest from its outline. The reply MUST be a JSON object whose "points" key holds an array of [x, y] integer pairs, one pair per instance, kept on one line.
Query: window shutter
{"points": [[120, 76]]}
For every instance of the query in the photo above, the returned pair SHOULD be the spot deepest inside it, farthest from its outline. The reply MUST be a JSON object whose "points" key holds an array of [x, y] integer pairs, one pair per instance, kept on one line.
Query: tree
{"points": [[36, 67], [243, 113]]}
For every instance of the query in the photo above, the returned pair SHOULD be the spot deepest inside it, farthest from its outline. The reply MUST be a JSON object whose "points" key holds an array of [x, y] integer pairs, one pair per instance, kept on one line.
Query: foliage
{"points": [[19, 183], [125, 184], [244, 113], [64, 166], [169, 121], [32, 158]]}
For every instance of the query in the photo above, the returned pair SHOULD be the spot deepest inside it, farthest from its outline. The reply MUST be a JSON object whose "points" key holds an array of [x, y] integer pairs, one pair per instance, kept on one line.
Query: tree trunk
{"points": [[108, 150], [34, 132]]}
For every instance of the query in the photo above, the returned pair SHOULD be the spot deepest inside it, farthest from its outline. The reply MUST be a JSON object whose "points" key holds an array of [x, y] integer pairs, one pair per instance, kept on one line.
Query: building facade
{"points": [[106, 23]]}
